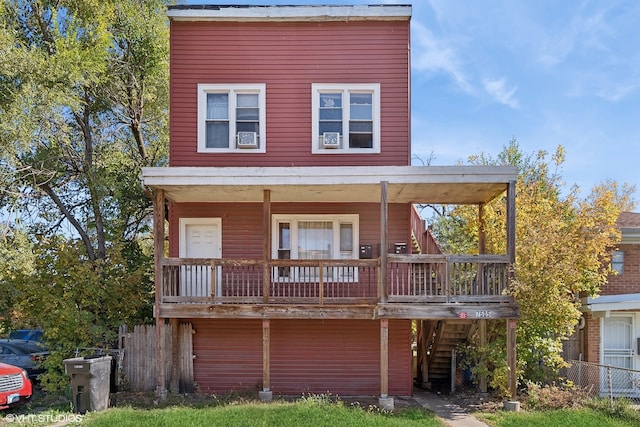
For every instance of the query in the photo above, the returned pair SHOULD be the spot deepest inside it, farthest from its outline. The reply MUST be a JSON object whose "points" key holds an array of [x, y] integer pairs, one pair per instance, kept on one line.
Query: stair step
{"points": [[452, 334]]}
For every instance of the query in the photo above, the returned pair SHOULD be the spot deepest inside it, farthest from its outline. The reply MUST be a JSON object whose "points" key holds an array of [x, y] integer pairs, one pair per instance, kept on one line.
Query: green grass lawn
{"points": [[47, 409], [584, 417], [301, 413]]}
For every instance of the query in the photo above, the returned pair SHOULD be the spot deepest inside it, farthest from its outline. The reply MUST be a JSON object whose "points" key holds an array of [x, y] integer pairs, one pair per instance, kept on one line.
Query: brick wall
{"points": [[629, 281], [592, 338]]}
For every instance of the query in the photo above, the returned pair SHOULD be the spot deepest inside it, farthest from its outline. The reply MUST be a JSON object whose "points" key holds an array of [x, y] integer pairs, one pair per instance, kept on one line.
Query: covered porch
{"points": [[392, 285]]}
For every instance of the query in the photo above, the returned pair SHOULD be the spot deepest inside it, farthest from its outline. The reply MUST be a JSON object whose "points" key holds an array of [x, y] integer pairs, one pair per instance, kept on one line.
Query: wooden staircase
{"points": [[439, 338]]}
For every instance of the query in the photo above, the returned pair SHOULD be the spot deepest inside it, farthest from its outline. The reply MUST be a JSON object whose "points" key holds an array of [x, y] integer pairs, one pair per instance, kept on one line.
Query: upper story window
{"points": [[346, 118], [617, 262], [231, 118]]}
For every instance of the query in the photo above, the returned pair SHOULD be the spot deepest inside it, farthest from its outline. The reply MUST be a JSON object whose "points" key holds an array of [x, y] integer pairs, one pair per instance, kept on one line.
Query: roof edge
{"points": [[288, 13], [457, 173]]}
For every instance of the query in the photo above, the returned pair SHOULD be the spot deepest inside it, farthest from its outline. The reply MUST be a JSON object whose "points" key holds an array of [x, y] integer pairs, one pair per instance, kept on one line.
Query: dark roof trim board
{"points": [[629, 225]]}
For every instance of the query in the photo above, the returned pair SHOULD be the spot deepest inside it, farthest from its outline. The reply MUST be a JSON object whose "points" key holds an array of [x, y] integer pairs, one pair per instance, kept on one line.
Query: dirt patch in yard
{"points": [[471, 401]]}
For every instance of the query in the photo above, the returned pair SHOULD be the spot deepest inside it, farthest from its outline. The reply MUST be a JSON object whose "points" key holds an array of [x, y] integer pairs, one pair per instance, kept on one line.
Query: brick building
{"points": [[610, 333]]}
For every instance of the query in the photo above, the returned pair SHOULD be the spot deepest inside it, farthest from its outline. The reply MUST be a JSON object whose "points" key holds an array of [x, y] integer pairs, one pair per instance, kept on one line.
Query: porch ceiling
{"points": [[406, 184]]}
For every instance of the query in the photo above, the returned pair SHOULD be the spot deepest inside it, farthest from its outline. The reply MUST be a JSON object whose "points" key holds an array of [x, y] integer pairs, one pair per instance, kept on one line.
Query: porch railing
{"points": [[448, 278], [410, 279]]}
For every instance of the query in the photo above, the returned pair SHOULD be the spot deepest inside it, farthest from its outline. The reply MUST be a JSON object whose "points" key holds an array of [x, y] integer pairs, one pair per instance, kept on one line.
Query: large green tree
{"points": [[563, 247], [83, 106]]}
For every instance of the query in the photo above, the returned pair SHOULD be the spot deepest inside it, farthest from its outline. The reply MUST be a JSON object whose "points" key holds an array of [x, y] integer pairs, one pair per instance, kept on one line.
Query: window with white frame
{"points": [[617, 262], [231, 118], [346, 118], [315, 237]]}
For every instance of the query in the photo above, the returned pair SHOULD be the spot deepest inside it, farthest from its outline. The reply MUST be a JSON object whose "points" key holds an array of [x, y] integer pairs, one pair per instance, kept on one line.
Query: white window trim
{"points": [[231, 89], [336, 219], [316, 89]]}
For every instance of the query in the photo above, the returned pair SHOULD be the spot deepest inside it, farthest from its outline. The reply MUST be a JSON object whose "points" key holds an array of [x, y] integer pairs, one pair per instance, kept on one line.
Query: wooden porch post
{"points": [[424, 333], [511, 252], [384, 217], [266, 394], [482, 235], [266, 221], [385, 402], [511, 221], [511, 356], [158, 257], [483, 340], [482, 249], [384, 358]]}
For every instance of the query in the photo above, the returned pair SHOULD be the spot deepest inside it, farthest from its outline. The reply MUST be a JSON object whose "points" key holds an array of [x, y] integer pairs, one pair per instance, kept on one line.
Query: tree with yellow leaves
{"points": [[563, 249]]}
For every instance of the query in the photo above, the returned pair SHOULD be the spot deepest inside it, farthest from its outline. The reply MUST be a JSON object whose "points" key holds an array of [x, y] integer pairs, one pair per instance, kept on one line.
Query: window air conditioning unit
{"points": [[331, 139], [247, 140]]}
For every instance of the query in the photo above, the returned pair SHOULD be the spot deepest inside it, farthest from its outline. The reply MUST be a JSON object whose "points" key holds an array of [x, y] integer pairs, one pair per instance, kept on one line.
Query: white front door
{"points": [[618, 351], [199, 238]]}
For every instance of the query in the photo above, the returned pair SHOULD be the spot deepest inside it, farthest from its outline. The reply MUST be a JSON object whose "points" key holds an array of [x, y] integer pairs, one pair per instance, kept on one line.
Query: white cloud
{"points": [[432, 55], [618, 92], [581, 33], [500, 92]]}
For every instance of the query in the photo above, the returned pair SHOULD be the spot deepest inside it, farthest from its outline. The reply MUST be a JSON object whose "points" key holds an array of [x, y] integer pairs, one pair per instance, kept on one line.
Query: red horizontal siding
{"points": [[288, 58], [333, 356], [400, 358], [228, 355], [341, 357], [242, 229]]}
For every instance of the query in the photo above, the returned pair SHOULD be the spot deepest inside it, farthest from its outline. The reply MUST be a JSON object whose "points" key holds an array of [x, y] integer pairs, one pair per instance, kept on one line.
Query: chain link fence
{"points": [[605, 381]]}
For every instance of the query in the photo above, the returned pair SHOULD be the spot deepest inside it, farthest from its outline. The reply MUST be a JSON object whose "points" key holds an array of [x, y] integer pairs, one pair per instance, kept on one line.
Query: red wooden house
{"points": [[294, 247]]}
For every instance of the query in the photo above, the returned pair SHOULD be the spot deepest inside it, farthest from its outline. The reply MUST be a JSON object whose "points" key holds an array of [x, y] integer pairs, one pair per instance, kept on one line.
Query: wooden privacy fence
{"points": [[139, 361]]}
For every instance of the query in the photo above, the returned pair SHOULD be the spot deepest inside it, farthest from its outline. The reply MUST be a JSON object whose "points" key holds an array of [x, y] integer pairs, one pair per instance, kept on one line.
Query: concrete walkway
{"points": [[453, 415]]}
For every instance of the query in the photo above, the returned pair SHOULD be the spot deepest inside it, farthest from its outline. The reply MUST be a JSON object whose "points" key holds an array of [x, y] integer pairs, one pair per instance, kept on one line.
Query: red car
{"points": [[15, 386]]}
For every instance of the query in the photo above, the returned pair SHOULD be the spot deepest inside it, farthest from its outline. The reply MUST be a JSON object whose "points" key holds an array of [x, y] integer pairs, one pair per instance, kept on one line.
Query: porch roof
{"points": [[608, 303], [406, 184]]}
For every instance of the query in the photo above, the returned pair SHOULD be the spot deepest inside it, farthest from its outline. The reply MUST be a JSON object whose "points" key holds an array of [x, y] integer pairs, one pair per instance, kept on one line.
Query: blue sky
{"points": [[546, 72]]}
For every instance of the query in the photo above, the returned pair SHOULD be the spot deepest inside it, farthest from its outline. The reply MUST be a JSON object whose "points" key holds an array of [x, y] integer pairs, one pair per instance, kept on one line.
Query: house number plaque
{"points": [[483, 314], [479, 314]]}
